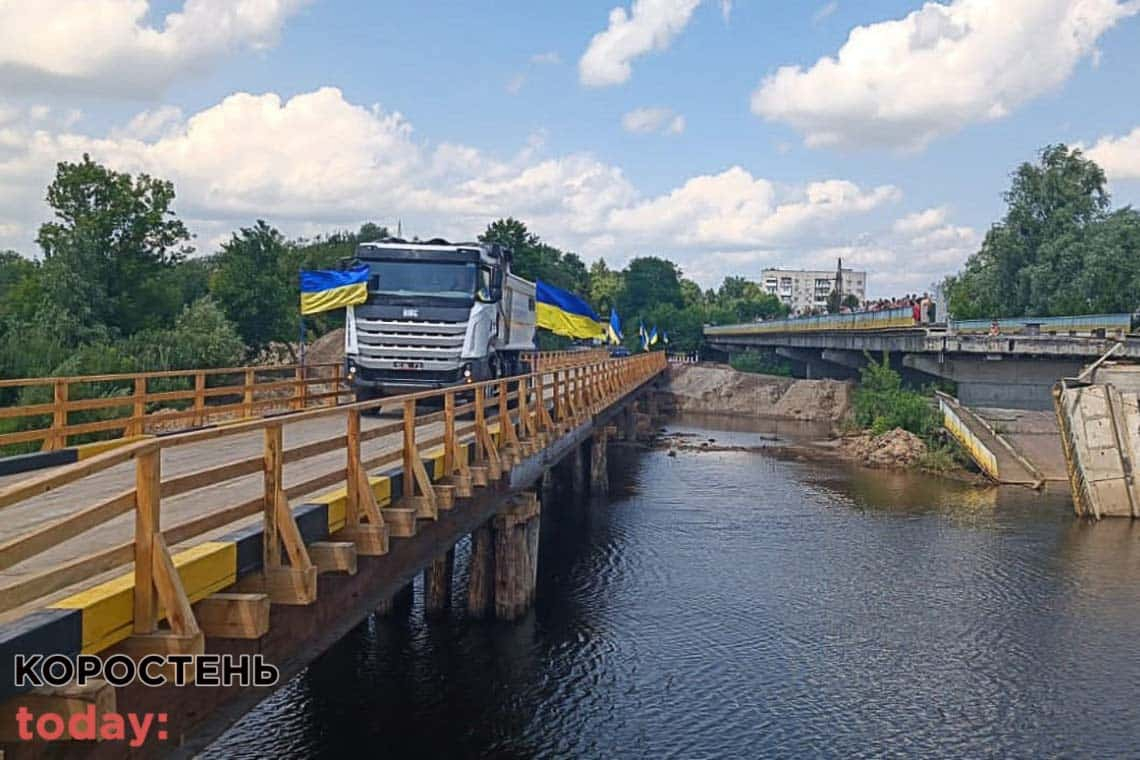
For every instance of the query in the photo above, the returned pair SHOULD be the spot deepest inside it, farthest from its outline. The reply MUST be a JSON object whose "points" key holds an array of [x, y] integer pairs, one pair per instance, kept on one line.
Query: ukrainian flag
{"points": [[324, 290], [641, 333], [653, 335], [564, 313], [614, 329]]}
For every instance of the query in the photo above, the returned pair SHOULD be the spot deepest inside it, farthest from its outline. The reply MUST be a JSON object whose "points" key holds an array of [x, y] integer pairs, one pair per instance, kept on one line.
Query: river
{"points": [[737, 604]]}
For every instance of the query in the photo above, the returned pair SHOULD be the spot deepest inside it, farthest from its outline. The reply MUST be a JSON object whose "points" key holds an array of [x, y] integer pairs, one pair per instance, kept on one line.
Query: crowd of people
{"points": [[923, 306]]}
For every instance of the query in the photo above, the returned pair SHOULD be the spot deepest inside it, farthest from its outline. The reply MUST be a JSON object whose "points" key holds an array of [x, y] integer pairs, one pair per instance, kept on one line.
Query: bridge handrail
{"points": [[859, 320], [1074, 324], [261, 390], [547, 401]]}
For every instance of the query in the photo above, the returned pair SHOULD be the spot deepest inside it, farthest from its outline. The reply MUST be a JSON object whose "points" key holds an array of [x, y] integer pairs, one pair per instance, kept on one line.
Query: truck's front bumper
{"points": [[392, 382]]}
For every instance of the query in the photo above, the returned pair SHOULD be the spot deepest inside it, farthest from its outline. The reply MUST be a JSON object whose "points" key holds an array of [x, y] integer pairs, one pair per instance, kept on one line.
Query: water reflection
{"points": [[735, 604]]}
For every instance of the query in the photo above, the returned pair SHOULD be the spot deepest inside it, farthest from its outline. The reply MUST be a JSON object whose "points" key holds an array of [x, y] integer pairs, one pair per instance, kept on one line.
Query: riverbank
{"points": [[719, 389]]}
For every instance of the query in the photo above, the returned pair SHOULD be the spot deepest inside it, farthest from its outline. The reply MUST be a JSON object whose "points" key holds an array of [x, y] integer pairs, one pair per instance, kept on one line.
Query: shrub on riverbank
{"points": [[760, 364], [880, 403]]}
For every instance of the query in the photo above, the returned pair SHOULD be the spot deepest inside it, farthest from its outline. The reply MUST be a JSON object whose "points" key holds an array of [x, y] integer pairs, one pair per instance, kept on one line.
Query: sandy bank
{"points": [[719, 389]]}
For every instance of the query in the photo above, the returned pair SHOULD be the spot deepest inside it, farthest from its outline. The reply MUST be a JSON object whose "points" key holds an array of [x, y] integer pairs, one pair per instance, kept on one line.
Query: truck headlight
{"points": [[467, 373]]}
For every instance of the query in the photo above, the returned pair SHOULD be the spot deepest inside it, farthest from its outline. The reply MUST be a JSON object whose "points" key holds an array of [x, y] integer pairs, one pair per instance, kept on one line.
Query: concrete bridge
{"points": [[227, 538], [1014, 371]]}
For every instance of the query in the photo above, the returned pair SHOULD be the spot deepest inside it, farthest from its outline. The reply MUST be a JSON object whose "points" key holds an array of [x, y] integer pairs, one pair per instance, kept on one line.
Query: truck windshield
{"points": [[416, 278]]}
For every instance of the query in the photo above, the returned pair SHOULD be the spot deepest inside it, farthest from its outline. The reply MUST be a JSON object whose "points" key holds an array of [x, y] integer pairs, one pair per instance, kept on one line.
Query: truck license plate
{"points": [[408, 365]]}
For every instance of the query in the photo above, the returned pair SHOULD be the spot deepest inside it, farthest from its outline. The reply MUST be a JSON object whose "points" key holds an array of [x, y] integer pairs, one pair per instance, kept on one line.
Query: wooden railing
{"points": [[133, 404], [509, 419]]}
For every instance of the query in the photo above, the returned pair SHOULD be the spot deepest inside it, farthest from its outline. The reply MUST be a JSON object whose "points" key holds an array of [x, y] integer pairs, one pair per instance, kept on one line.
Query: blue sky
{"points": [[893, 155]]}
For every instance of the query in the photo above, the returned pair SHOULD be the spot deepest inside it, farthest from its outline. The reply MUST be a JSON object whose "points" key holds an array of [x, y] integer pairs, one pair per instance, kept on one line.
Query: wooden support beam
{"points": [[481, 577], [334, 556], [285, 585], [401, 521], [271, 493], [233, 616], [368, 540], [437, 584]]}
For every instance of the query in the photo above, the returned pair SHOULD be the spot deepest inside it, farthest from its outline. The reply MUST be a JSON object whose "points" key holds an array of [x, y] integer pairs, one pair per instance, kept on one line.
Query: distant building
{"points": [[805, 289]]}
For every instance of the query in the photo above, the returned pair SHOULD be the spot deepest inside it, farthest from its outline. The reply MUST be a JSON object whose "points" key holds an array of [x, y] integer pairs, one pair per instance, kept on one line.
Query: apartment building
{"points": [[806, 289]]}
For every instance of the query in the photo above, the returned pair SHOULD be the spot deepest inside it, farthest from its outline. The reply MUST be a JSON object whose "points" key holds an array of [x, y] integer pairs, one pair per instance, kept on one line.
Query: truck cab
{"points": [[438, 314]]}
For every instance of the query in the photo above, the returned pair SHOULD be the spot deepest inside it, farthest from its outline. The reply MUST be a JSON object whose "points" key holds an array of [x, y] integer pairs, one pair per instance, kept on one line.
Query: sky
{"points": [[726, 135]]}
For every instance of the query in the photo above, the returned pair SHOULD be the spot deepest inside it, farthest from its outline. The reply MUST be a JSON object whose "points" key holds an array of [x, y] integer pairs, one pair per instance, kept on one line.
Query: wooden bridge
{"points": [[279, 534]]}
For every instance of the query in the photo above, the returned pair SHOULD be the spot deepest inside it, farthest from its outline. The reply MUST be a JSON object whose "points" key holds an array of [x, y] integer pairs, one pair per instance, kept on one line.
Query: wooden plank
{"points": [[61, 576], [352, 469], [56, 532], [320, 481], [148, 478], [59, 416], [233, 615], [184, 531], [411, 455], [291, 535], [212, 476]]}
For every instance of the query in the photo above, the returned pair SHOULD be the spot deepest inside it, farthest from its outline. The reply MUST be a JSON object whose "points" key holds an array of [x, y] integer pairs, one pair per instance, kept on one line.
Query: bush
{"points": [[881, 403], [758, 363]]}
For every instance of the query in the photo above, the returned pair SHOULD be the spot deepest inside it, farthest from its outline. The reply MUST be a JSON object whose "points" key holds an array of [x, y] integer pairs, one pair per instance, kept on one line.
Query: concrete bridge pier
{"points": [[997, 381], [819, 365], [437, 584]]}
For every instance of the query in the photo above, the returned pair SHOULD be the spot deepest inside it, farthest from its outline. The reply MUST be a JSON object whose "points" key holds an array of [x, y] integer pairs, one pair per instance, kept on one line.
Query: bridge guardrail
{"points": [[547, 403], [1096, 324], [885, 319], [134, 404]]}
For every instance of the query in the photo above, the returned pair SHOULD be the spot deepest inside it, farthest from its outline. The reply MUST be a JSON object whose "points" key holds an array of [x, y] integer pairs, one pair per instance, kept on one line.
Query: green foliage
{"points": [[253, 285], [880, 403], [760, 363], [535, 260], [109, 253], [1058, 250]]}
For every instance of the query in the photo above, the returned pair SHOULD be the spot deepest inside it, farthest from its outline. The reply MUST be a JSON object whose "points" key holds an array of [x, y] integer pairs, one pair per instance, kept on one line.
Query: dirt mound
{"points": [[719, 389], [327, 349], [895, 448]]}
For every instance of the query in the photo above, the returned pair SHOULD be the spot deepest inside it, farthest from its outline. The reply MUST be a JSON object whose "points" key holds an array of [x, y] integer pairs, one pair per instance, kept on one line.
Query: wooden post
{"points": [[298, 388], [449, 442], [199, 397], [57, 439], [138, 410], [148, 484], [437, 583], [410, 453], [247, 395], [480, 426], [351, 470], [480, 582], [271, 551]]}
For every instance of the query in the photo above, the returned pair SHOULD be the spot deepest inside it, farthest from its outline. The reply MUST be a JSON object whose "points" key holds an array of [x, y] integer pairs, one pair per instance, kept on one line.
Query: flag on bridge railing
{"points": [[643, 335], [564, 313], [614, 329], [653, 335], [326, 289]]}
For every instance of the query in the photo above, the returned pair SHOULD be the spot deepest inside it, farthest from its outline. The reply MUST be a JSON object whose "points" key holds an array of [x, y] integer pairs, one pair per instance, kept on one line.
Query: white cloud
{"points": [[649, 25], [1118, 156], [316, 161], [920, 221], [646, 120], [106, 46], [726, 10], [903, 83], [548, 58], [824, 12]]}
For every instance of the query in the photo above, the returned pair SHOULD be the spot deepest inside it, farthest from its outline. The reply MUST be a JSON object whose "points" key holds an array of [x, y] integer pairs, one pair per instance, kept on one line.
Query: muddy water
{"points": [[736, 604]]}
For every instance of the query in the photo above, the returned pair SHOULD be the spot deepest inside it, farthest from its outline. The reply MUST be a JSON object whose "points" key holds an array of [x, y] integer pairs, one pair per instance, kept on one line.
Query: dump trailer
{"points": [[438, 314]]}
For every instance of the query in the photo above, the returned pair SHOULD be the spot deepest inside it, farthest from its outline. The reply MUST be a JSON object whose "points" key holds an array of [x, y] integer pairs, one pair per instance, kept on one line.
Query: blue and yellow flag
{"points": [[653, 335], [324, 290], [614, 329], [564, 313], [665, 337], [641, 333]]}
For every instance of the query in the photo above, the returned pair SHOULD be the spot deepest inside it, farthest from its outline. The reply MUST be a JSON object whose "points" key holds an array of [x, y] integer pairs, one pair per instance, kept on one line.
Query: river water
{"points": [[739, 604]]}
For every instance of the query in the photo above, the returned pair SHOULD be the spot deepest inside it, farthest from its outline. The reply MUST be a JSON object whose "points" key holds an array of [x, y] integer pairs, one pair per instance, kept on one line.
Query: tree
{"points": [[649, 282], [113, 239], [851, 301], [605, 286], [834, 302], [254, 288], [1029, 260]]}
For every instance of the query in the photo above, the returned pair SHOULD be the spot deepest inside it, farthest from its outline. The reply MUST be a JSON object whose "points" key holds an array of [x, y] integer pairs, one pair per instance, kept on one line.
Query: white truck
{"points": [[437, 314]]}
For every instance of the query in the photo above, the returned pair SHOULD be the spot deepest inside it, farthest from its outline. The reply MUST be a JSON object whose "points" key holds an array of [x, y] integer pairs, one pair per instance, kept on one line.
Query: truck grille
{"points": [[392, 344]]}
